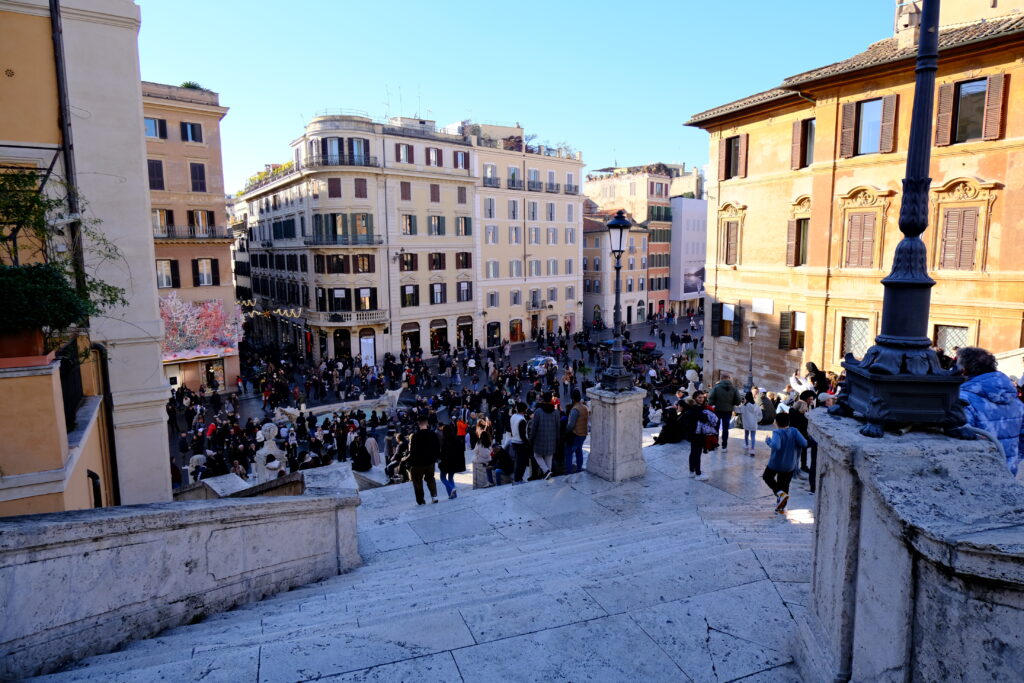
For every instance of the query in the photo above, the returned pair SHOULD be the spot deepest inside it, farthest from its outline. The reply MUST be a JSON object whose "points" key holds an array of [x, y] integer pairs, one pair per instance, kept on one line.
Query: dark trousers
{"points": [[521, 455], [725, 419], [418, 474], [812, 446], [777, 481], [696, 450]]}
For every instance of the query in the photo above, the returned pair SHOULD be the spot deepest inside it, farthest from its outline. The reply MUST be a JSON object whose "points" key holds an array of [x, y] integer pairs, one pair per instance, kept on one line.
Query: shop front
{"points": [[464, 331], [438, 336]]}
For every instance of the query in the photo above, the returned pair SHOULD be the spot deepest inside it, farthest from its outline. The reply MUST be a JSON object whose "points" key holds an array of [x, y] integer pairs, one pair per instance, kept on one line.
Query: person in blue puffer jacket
{"points": [[992, 403]]}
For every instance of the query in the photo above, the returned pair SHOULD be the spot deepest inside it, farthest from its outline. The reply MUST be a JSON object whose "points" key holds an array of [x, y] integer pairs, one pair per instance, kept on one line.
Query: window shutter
{"points": [[992, 129], [170, 217], [796, 146], [318, 263], [887, 141], [398, 151], [195, 272], [323, 147], [162, 129], [944, 115], [440, 158], [968, 237], [741, 164], [785, 329], [721, 158], [415, 261], [199, 133], [303, 263], [951, 222], [791, 232], [412, 154], [210, 219], [191, 216], [344, 265], [351, 147], [854, 235], [737, 323], [440, 225], [175, 275], [215, 267], [334, 187], [183, 128], [848, 129], [372, 263], [867, 242], [412, 224], [732, 229], [406, 190], [469, 226]]}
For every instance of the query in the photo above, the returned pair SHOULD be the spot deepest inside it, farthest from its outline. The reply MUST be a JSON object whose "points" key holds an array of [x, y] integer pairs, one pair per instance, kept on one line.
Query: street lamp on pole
{"points": [[616, 377], [751, 333]]}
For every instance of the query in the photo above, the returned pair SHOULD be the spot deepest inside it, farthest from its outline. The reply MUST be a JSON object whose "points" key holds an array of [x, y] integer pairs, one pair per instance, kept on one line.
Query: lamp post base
{"points": [[616, 450], [617, 379]]}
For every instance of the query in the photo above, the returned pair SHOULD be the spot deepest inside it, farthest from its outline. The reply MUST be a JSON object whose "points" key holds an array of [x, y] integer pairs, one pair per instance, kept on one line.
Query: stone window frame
{"points": [[800, 208], [874, 323], [864, 199], [962, 192], [727, 212]]}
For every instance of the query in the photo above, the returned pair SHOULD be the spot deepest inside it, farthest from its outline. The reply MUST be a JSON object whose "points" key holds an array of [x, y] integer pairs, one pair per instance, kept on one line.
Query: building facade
{"points": [[803, 216], [383, 237], [599, 272], [192, 243], [689, 250]]}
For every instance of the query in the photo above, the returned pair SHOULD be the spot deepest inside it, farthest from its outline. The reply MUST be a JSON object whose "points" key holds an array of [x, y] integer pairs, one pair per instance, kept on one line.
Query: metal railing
{"points": [[191, 232], [552, 187], [340, 160], [514, 184], [534, 185], [375, 317], [343, 240], [492, 182], [572, 189], [70, 381]]}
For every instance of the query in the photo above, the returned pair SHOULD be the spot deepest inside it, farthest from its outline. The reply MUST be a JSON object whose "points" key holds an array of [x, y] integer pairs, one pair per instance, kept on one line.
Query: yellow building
{"points": [[85, 423], [192, 242], [803, 215], [599, 271]]}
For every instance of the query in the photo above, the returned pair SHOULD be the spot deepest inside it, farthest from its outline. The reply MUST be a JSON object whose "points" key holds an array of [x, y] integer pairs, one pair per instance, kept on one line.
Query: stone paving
{"points": [[662, 578]]}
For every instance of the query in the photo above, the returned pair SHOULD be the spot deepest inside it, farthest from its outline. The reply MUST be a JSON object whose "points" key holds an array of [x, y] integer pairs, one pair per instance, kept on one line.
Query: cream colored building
{"points": [[599, 271], [371, 240]]}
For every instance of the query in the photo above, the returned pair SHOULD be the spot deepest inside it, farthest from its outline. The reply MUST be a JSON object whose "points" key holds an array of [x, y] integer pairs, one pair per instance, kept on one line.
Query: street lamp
{"points": [[900, 380], [751, 333], [616, 377]]}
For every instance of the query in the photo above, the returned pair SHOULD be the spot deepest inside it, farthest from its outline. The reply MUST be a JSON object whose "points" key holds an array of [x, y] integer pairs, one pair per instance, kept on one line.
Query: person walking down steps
{"points": [[784, 442]]}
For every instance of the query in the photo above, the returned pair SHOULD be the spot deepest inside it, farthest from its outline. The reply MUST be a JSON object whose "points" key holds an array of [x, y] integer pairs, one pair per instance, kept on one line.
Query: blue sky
{"points": [[616, 80]]}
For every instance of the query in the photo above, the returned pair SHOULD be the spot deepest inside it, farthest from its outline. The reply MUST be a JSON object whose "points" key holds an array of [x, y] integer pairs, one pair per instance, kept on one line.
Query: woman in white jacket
{"points": [[750, 413]]}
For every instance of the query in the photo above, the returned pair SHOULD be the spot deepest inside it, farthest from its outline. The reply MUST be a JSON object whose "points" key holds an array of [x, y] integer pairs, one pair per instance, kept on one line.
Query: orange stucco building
{"points": [[803, 216]]}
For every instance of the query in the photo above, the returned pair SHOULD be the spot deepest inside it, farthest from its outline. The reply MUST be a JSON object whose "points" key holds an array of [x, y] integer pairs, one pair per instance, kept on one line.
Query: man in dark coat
{"points": [[424, 452]]}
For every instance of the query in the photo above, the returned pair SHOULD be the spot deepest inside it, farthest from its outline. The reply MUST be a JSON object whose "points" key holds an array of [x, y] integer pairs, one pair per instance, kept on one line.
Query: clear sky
{"points": [[615, 80]]}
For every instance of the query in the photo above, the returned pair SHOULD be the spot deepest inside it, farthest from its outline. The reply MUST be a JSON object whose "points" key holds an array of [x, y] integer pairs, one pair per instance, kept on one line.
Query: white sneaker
{"points": [[692, 475], [703, 477]]}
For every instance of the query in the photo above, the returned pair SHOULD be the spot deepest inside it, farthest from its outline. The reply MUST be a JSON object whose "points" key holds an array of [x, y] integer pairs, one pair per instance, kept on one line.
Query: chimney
{"points": [[908, 23]]}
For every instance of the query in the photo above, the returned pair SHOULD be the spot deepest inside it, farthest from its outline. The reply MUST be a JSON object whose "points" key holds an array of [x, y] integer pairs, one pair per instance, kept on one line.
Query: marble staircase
{"points": [[659, 578]]}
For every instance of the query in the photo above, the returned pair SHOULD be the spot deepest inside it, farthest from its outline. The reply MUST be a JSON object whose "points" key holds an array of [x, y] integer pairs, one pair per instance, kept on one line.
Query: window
{"points": [[552, 266], [464, 291], [632, 263], [534, 266], [492, 299], [732, 157], [531, 211], [570, 212], [959, 238], [568, 266], [551, 211], [730, 242], [436, 260], [360, 188], [552, 294], [949, 338], [463, 226], [198, 174], [463, 260], [970, 110], [586, 285], [363, 263], [202, 272], [570, 293], [597, 286], [860, 240], [156, 174], [489, 207], [492, 269], [585, 263], [435, 192], [868, 127], [166, 273], [552, 235], [597, 244], [438, 293], [408, 262], [534, 236], [726, 320], [515, 268], [796, 241], [408, 224], [597, 263], [435, 225], [515, 297], [515, 235], [792, 326], [490, 171], [570, 235], [513, 209], [629, 284], [434, 157], [191, 132], [461, 159], [162, 219], [491, 234], [366, 299], [404, 153], [802, 152], [156, 128], [856, 337], [405, 191], [410, 295], [460, 194]]}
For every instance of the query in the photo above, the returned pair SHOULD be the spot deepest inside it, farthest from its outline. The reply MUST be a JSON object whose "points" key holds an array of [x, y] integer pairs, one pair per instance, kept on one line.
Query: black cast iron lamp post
{"points": [[751, 332], [900, 381], [616, 377]]}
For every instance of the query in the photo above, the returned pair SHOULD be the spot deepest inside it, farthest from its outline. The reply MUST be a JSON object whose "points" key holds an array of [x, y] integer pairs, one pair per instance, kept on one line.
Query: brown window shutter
{"points": [[791, 231], [992, 129], [732, 229], [440, 158], [951, 221], [968, 237], [406, 188], [785, 327], [847, 130], [716, 320], [398, 151], [721, 158], [334, 187], [854, 235], [887, 142], [796, 146], [944, 115], [867, 242], [741, 165]]}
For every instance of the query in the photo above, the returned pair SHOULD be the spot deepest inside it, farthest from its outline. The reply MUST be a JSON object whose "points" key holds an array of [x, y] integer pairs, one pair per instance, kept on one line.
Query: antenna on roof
{"points": [[387, 102]]}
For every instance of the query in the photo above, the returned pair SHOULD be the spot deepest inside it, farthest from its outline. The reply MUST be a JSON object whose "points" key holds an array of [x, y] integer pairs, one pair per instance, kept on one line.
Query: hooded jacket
{"points": [[992, 405], [724, 397]]}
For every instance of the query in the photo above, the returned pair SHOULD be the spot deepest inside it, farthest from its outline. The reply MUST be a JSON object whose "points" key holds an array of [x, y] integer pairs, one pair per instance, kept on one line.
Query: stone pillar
{"points": [[616, 453], [918, 565]]}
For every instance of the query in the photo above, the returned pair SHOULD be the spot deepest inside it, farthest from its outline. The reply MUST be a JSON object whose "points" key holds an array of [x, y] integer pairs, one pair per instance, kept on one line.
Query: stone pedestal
{"points": [[918, 567], [615, 434]]}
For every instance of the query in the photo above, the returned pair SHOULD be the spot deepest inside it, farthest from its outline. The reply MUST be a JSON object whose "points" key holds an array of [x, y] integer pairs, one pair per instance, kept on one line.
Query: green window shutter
{"points": [[737, 323], [716, 320], [785, 329]]}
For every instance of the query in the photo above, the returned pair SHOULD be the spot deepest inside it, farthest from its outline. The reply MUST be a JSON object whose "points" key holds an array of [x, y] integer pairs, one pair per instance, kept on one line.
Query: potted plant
{"points": [[37, 298]]}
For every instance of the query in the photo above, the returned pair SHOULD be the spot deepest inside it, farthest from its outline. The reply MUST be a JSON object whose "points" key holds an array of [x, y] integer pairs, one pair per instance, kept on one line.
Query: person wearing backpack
{"points": [[699, 422], [725, 398], [784, 442]]}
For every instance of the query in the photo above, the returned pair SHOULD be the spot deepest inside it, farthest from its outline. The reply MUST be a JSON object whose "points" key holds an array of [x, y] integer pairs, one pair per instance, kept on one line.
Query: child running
{"points": [[784, 442]]}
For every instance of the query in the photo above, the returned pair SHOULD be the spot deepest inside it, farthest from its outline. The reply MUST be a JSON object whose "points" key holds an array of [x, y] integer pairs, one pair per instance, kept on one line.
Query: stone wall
{"points": [[918, 569], [80, 583]]}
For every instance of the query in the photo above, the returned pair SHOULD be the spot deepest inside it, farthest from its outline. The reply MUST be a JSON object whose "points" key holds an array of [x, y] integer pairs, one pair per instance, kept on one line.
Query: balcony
{"points": [[514, 184], [534, 185], [375, 317], [343, 240], [536, 305], [320, 161], [552, 187], [492, 182], [572, 189], [191, 232]]}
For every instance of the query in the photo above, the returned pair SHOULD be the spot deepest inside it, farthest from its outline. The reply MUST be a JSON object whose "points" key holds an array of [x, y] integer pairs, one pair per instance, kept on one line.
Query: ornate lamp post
{"points": [[899, 380], [751, 333], [616, 377]]}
